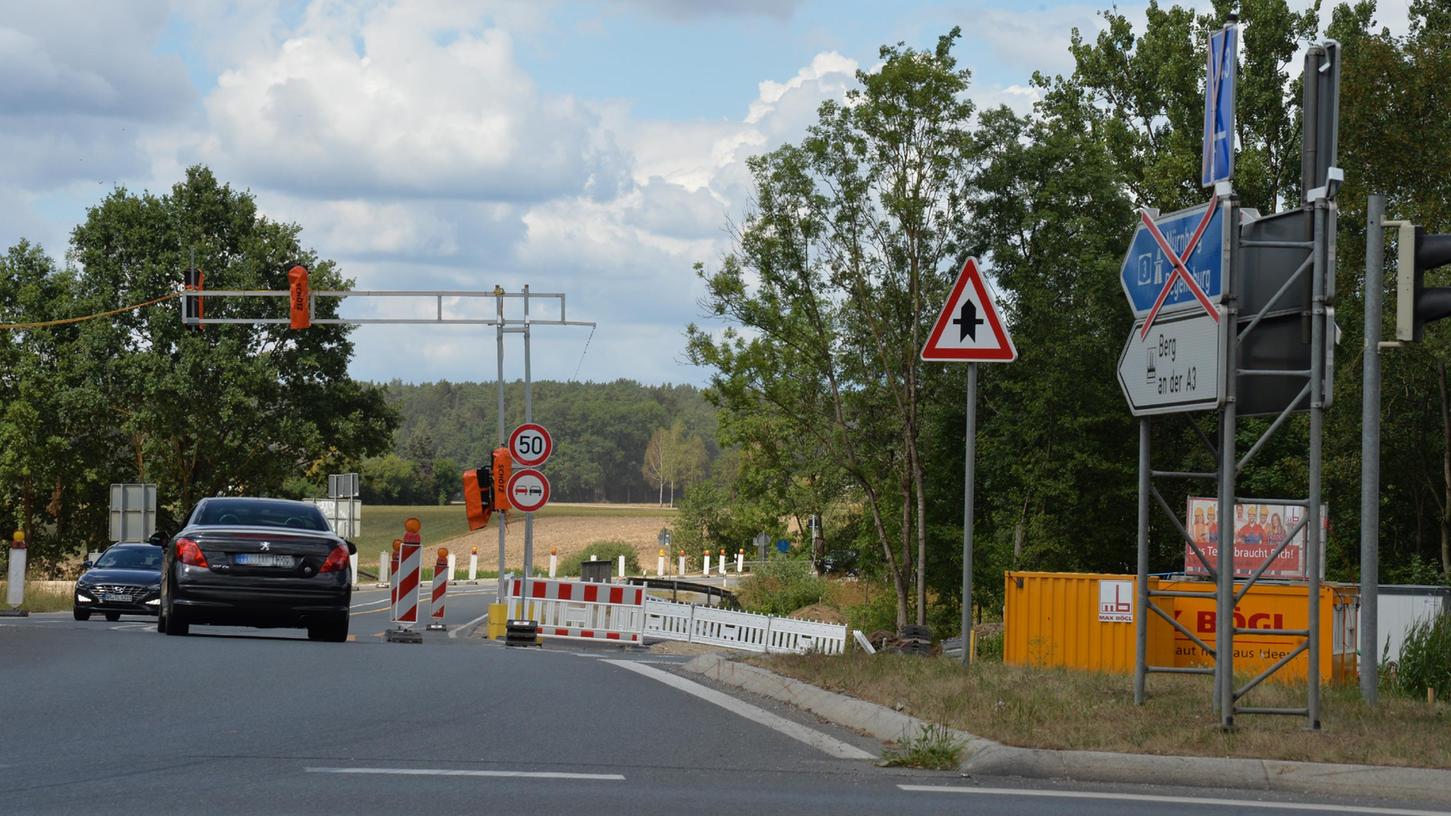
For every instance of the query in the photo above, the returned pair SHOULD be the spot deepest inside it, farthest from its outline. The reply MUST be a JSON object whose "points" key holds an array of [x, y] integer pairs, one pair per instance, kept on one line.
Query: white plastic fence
{"points": [[670, 620]]}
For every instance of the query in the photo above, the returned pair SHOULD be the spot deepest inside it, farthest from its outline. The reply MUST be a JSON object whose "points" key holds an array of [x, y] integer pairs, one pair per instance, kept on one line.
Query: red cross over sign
{"points": [[969, 329], [1181, 272]]}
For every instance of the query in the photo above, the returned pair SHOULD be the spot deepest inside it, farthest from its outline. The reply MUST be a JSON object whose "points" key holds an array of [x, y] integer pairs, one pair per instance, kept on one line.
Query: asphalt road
{"points": [[113, 718]]}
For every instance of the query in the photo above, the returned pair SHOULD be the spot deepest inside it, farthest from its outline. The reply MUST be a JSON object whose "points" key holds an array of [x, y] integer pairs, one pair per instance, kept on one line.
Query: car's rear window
{"points": [[261, 513]]}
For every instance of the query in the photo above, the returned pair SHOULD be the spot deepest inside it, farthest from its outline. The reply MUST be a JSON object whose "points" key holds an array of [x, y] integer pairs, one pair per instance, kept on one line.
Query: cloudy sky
{"points": [[591, 148]]}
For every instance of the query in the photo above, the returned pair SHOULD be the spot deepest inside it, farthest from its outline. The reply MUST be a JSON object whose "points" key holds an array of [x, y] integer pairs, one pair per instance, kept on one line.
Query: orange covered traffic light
{"points": [[299, 297], [478, 497], [503, 469]]}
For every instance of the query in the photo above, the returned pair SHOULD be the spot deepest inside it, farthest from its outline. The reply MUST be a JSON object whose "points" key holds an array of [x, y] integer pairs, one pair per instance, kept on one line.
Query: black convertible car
{"points": [[126, 579], [257, 562]]}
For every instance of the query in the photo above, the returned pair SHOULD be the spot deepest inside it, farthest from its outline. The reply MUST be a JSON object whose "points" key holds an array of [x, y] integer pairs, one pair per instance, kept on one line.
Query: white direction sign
{"points": [[528, 490], [970, 329], [1178, 366], [530, 445]]}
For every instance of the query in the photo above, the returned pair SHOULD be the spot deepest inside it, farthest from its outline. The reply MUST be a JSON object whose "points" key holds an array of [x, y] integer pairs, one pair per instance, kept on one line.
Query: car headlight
{"points": [[82, 596]]}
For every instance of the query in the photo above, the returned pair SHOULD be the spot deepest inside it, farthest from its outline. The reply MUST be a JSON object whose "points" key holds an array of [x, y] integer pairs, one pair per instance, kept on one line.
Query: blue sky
{"points": [[594, 148]]}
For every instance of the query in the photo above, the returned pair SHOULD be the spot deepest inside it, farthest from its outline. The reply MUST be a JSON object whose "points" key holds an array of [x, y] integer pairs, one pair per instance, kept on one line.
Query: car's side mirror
{"points": [[157, 539], [85, 565], [352, 548]]}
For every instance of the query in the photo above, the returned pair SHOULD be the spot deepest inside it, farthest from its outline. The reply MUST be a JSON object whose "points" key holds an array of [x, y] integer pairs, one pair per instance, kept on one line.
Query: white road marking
{"points": [[796, 731], [1175, 800], [454, 772]]}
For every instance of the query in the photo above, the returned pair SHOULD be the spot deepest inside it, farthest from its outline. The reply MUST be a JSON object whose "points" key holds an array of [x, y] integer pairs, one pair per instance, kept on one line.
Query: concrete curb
{"points": [[984, 756]]}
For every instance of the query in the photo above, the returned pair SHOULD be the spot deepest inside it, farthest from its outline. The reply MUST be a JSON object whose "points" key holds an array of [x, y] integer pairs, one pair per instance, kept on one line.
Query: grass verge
{"points": [[42, 597], [1060, 708]]}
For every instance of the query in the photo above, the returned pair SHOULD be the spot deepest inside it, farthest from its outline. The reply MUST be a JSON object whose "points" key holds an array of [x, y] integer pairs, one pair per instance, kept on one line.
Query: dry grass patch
{"points": [[1059, 708], [43, 596], [570, 528]]}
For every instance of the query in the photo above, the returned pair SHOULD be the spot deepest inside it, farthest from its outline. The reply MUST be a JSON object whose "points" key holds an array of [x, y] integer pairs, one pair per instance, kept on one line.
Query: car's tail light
{"points": [[336, 560], [188, 552]]}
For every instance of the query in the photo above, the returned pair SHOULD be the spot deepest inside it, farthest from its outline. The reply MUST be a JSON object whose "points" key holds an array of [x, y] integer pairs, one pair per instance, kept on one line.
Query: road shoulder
{"points": [[986, 757]]}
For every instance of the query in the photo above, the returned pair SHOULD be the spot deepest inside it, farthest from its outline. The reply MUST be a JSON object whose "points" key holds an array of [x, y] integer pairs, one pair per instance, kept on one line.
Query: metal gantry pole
{"points": [[1224, 618], [969, 473], [1141, 588], [1315, 537], [528, 417], [503, 594], [1370, 453]]}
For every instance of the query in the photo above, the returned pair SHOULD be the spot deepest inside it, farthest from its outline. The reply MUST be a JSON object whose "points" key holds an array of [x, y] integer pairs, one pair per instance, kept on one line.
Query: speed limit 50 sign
{"points": [[530, 445]]}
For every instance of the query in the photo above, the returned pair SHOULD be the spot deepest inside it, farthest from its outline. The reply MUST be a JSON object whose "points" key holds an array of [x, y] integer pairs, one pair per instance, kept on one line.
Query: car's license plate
{"points": [[262, 560], [113, 597]]}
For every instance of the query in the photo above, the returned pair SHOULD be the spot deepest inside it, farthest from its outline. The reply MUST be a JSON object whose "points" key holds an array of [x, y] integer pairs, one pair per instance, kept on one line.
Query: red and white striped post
{"points": [[405, 600], [440, 590], [393, 576]]}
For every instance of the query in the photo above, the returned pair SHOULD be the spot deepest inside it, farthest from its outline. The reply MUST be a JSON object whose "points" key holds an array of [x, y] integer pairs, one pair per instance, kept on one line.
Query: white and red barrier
{"points": [[405, 599], [441, 571], [581, 610]]}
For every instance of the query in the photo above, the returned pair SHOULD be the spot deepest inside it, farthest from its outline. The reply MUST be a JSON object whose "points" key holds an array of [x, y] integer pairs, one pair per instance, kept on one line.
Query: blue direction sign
{"points": [[1147, 267], [1218, 164]]}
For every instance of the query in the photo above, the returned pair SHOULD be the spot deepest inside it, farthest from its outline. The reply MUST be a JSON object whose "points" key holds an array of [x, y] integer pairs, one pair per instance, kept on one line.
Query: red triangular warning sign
{"points": [[969, 330]]}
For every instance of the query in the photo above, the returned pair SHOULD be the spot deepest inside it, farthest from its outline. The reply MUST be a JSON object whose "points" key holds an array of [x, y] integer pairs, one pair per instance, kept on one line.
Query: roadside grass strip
{"points": [[459, 772], [1042, 707], [1173, 800], [816, 739]]}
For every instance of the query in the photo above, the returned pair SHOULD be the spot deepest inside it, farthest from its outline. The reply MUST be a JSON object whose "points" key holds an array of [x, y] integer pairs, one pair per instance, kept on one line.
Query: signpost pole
{"points": [[969, 472], [1315, 536], [1224, 618], [499, 303], [1141, 588], [528, 417], [1370, 453]]}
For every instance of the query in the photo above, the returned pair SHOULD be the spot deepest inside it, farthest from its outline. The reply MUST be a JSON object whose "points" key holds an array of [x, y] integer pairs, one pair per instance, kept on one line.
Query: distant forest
{"points": [[601, 432]]}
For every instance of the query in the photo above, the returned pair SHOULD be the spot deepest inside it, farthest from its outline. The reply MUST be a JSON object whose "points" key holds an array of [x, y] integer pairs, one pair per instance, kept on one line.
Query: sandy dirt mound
{"points": [[569, 534]]}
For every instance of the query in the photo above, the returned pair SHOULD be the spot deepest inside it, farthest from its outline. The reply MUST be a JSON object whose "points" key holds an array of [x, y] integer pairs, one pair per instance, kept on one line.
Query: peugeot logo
{"points": [[266, 546]]}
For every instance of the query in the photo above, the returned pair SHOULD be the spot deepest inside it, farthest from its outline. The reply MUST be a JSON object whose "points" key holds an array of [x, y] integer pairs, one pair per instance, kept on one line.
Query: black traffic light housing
{"points": [[1418, 304]]}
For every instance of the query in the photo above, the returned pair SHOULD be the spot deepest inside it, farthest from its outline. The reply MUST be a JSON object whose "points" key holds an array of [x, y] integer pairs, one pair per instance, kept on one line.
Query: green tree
{"points": [[853, 239]]}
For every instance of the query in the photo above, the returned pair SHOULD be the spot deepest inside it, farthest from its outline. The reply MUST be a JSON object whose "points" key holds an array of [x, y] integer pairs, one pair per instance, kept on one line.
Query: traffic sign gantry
{"points": [[1177, 367], [530, 445], [969, 329], [1176, 262], [528, 490]]}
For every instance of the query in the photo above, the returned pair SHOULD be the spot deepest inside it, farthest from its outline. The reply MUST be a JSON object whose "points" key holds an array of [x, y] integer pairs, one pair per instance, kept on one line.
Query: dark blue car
{"points": [[125, 580]]}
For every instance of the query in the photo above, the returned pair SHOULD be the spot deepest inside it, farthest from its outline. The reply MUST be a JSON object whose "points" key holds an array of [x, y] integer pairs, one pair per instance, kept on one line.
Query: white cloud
{"points": [[81, 83], [406, 101]]}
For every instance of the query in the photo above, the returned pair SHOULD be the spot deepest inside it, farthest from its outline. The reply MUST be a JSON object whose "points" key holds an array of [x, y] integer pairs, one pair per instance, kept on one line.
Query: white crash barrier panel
{"points": [[581, 610], [748, 631]]}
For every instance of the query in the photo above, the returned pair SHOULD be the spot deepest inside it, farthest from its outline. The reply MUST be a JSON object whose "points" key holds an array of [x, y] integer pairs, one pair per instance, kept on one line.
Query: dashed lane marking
{"points": [[456, 772]]}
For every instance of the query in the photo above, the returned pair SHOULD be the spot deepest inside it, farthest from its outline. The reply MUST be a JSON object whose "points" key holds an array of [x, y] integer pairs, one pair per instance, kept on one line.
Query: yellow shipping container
{"points": [[1085, 621]]}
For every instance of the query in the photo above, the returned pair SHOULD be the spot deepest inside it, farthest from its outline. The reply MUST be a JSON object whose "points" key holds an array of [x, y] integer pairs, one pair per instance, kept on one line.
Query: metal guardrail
{"points": [[725, 599]]}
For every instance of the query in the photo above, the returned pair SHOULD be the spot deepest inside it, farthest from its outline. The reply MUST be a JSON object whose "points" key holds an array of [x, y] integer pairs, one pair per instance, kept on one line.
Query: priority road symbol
{"points": [[969, 328], [530, 445], [1175, 263], [528, 490]]}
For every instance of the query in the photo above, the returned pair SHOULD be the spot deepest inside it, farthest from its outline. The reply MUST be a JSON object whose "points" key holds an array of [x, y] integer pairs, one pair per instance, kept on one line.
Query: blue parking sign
{"points": [[1218, 159]]}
